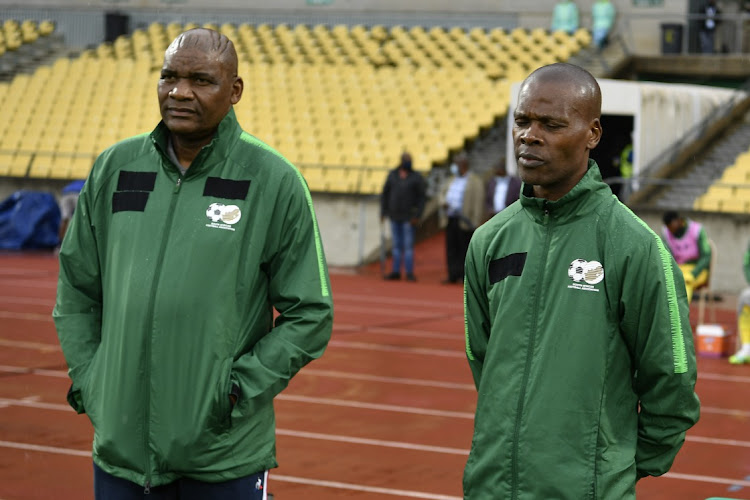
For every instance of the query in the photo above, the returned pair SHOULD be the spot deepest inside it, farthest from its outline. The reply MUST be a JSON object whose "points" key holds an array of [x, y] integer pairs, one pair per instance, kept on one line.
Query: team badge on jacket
{"points": [[223, 216], [585, 274]]}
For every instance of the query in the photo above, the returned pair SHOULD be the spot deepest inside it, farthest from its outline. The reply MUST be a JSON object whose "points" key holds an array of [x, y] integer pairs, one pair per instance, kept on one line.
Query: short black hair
{"points": [[670, 216]]}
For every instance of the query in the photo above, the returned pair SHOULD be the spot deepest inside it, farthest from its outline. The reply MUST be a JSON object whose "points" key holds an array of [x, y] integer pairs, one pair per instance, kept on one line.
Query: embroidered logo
{"points": [[259, 484], [585, 274], [223, 216]]}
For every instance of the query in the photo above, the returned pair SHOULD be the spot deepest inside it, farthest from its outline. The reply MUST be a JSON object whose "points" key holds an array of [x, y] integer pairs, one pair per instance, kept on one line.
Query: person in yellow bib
{"points": [[690, 248], [743, 318]]}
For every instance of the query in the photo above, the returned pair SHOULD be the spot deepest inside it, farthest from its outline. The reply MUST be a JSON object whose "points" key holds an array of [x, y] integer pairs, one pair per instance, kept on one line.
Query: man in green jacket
{"points": [[577, 329], [184, 243]]}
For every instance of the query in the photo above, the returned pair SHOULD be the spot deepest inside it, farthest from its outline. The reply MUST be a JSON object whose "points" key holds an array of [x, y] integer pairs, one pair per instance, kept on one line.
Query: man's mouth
{"points": [[180, 112], [528, 160]]}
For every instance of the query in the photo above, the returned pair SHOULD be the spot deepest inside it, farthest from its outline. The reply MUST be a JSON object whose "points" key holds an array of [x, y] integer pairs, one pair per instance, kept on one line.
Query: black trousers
{"points": [[108, 487], [456, 245]]}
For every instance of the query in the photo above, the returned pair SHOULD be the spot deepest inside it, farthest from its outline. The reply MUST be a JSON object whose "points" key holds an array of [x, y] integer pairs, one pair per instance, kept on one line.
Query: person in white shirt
{"points": [[502, 189], [463, 202]]}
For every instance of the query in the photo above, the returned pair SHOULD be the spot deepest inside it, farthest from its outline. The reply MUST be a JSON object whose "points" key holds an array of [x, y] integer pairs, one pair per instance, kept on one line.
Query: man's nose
{"points": [[181, 90], [530, 135]]}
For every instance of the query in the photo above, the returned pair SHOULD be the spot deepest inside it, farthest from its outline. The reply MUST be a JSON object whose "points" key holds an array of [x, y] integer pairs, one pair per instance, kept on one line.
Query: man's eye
{"points": [[167, 78], [202, 81]]}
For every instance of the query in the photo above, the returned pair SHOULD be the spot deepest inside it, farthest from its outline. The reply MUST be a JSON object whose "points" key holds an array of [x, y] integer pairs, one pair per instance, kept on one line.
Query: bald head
{"points": [[579, 83], [557, 123], [197, 88], [208, 41]]}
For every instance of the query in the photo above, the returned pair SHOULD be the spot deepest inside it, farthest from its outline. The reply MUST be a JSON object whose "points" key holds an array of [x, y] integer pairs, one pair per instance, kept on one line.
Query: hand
{"points": [[233, 399], [414, 221]]}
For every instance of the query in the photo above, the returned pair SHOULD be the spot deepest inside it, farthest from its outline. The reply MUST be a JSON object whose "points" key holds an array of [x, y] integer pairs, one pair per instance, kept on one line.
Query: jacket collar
{"points": [[577, 202], [226, 134]]}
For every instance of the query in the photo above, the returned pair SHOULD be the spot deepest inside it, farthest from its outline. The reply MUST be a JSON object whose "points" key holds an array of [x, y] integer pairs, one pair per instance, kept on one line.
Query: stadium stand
{"points": [[22, 42], [342, 102]]}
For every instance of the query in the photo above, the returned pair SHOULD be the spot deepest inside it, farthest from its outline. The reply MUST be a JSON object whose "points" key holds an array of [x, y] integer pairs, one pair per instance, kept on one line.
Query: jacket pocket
{"points": [[220, 419], [87, 391]]}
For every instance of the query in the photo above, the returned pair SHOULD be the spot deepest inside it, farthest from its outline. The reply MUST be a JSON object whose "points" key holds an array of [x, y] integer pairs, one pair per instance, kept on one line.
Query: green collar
{"points": [[577, 202], [227, 134]]}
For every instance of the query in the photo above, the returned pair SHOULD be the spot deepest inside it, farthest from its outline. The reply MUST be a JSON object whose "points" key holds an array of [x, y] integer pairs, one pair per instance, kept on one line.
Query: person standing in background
{"points": [[565, 17], [463, 202], [602, 20], [710, 21], [502, 189], [402, 201]]}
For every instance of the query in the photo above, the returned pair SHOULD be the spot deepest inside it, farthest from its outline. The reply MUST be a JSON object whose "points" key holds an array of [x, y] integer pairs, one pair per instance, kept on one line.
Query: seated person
{"points": [[687, 241], [743, 319]]}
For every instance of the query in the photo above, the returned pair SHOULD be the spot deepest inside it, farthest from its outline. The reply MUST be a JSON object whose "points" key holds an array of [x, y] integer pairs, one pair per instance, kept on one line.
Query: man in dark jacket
{"points": [[184, 245], [403, 201], [502, 189], [577, 328]]}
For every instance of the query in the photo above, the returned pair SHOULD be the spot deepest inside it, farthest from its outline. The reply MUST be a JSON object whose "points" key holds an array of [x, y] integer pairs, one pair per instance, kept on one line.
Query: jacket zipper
{"points": [[147, 353], [527, 366]]}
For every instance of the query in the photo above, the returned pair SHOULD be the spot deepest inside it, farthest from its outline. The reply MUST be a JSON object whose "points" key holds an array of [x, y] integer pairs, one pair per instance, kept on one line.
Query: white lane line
{"points": [[707, 479], [358, 487], [27, 316], [372, 442], [375, 406], [725, 411], [723, 378], [458, 353], [20, 271], [722, 442], [416, 315], [22, 344], [441, 305], [292, 398], [379, 378], [45, 449], [308, 371], [28, 300], [34, 371], [400, 332], [274, 477], [345, 344], [33, 403], [30, 283]]}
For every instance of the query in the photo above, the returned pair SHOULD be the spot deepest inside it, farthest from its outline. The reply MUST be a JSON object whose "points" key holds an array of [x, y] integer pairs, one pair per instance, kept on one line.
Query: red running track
{"points": [[386, 412]]}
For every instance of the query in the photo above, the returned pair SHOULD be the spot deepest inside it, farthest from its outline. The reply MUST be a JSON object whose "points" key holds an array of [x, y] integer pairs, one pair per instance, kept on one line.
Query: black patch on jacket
{"points": [[136, 181], [129, 201], [226, 188], [510, 265]]}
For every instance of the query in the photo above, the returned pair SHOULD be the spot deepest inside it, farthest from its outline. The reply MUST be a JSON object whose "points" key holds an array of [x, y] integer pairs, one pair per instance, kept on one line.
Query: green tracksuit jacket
{"points": [[576, 317], [166, 299]]}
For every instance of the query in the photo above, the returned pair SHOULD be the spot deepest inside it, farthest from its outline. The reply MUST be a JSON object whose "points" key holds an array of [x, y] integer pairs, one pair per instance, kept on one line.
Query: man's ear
{"points": [[237, 88], [595, 133]]}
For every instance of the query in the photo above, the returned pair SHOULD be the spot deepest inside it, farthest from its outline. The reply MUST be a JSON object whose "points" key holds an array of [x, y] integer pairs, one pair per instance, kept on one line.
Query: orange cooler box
{"points": [[714, 340]]}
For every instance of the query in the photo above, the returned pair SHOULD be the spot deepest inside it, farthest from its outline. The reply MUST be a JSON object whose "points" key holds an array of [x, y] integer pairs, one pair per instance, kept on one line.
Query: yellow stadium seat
{"points": [[734, 205], [6, 161], [20, 164], [707, 204]]}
